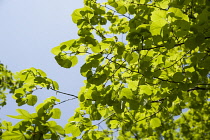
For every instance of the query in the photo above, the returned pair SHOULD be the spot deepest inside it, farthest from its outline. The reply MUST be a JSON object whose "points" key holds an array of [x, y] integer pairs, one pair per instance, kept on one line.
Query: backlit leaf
{"points": [[56, 113], [24, 113], [127, 93], [76, 15], [122, 9], [155, 122], [13, 135], [31, 99]]}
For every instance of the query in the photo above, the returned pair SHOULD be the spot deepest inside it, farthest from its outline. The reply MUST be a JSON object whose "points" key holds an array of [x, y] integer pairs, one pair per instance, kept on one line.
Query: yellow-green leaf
{"points": [[155, 122]]}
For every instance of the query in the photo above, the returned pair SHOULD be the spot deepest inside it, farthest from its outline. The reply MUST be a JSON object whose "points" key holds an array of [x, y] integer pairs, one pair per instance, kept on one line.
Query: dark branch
{"points": [[64, 93], [197, 88], [150, 115], [65, 101]]}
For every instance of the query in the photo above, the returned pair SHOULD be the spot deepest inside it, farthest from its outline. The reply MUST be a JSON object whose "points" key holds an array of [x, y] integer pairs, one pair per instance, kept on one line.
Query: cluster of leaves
{"points": [[145, 62], [6, 82], [30, 80], [36, 125]]}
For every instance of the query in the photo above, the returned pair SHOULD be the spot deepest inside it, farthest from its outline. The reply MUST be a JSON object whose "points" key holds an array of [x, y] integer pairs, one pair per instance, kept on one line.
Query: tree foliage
{"points": [[147, 74], [6, 82]]}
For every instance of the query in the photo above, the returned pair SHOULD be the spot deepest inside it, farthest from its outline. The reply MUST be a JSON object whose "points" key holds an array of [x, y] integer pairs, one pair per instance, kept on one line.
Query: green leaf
{"points": [[118, 107], [66, 61], [70, 138], [24, 113], [97, 80], [40, 110], [159, 20], [74, 60], [39, 80], [155, 122], [147, 89], [55, 128], [190, 43], [178, 77], [65, 46], [96, 49], [133, 85], [121, 8], [47, 136], [177, 13], [56, 113], [56, 50], [199, 39], [41, 72], [17, 135], [17, 117], [76, 15], [135, 58], [120, 48], [63, 61], [163, 4], [127, 93], [112, 3], [55, 85], [82, 13], [20, 90], [73, 129], [134, 104], [158, 15], [114, 124], [131, 9], [156, 27], [31, 99], [67, 128]]}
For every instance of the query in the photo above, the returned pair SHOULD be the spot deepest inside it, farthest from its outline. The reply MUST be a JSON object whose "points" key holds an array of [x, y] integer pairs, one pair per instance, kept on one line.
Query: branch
{"points": [[175, 61], [197, 88], [150, 115], [65, 101], [115, 11], [158, 46], [100, 34], [158, 101], [153, 6], [105, 119], [167, 80], [64, 93]]}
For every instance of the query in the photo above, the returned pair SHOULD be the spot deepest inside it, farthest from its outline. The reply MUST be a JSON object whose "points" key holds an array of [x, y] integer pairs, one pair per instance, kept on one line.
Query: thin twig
{"points": [[64, 93]]}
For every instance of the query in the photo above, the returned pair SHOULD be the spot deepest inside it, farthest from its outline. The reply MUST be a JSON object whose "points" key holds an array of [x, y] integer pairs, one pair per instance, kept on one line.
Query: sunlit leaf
{"points": [[24, 113], [31, 99], [56, 113], [13, 135], [76, 15], [122, 9], [155, 122], [55, 85], [63, 61], [127, 93]]}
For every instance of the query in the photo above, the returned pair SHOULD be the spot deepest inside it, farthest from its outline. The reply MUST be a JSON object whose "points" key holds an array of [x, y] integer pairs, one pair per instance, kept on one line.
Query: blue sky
{"points": [[29, 30]]}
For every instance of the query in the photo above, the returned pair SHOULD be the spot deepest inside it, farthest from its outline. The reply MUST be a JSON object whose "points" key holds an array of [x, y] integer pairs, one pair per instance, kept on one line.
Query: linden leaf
{"points": [[127, 93], [155, 122], [122, 9], [178, 77], [56, 113], [31, 99]]}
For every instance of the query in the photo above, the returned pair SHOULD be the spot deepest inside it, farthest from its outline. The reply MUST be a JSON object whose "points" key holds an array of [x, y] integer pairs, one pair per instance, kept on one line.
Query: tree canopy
{"points": [[147, 75]]}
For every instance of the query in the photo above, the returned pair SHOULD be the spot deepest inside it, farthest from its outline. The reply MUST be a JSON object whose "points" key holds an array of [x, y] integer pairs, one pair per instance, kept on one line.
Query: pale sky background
{"points": [[29, 29]]}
